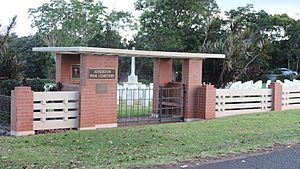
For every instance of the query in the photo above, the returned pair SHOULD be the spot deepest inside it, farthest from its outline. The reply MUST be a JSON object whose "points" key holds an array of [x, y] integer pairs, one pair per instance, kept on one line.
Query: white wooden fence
{"points": [[242, 101], [290, 97], [55, 110]]}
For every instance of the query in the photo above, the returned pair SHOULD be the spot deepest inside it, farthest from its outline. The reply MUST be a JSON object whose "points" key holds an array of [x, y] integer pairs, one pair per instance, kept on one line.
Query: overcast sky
{"points": [[9, 8]]}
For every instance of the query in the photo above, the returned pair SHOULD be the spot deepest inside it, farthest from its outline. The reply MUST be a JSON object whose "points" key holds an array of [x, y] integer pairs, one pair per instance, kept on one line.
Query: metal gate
{"points": [[4, 113], [148, 105]]}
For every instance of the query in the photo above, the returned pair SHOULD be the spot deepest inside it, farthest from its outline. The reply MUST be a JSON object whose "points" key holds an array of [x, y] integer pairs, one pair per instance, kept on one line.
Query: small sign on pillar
{"points": [[102, 73], [75, 72]]}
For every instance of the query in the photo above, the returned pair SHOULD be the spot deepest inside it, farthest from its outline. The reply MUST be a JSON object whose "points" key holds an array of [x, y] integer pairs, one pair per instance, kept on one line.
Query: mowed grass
{"points": [[136, 110], [152, 144]]}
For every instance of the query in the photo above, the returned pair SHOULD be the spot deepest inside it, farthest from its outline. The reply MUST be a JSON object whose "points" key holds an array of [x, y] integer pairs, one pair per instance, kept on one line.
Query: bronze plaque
{"points": [[75, 71], [101, 88], [102, 73]]}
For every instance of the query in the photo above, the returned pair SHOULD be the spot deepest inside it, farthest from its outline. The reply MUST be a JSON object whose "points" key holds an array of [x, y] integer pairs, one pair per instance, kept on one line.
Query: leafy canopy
{"points": [[65, 23]]}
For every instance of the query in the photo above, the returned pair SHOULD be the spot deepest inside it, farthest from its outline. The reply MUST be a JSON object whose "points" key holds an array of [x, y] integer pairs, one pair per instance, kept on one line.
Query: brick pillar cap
{"points": [[23, 88]]}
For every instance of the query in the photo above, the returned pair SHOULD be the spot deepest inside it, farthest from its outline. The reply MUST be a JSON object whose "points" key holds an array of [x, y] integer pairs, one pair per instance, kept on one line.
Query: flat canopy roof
{"points": [[126, 52]]}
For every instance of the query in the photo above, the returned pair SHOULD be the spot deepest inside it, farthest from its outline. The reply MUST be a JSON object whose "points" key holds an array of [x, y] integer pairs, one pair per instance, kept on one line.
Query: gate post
{"points": [[21, 111], [192, 79], [207, 102], [276, 96]]}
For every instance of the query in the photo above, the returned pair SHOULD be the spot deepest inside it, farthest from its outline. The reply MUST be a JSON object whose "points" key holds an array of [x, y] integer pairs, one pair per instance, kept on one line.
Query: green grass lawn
{"points": [[152, 144], [136, 110]]}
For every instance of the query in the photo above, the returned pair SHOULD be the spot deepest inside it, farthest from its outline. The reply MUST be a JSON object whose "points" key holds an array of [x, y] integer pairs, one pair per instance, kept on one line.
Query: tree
{"points": [[79, 23], [174, 25], [35, 64], [244, 41], [293, 34], [68, 23], [110, 36], [9, 64]]}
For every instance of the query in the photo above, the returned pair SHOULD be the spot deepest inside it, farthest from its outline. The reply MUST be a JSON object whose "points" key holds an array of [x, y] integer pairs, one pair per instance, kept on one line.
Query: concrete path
{"points": [[280, 159]]}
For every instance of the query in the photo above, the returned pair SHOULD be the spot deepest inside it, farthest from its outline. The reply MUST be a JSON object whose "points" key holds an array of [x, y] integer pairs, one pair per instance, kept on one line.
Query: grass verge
{"points": [[150, 145]]}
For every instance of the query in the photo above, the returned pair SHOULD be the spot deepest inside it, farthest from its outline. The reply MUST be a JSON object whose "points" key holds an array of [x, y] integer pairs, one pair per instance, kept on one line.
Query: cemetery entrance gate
{"points": [[138, 106]]}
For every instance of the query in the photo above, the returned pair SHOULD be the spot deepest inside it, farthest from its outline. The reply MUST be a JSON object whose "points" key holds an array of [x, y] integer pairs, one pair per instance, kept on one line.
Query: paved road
{"points": [[281, 159]]}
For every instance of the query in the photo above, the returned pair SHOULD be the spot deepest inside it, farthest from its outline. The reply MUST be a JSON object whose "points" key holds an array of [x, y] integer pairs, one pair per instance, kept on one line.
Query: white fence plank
{"points": [[291, 88], [231, 102], [244, 106], [55, 110], [243, 92], [55, 114], [55, 124], [56, 105], [40, 96], [290, 97], [244, 99]]}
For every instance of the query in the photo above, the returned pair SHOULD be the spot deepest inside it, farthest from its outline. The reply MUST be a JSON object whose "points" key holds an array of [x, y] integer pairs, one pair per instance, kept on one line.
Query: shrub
{"points": [[7, 85], [146, 82], [297, 77], [48, 81], [58, 87], [36, 85]]}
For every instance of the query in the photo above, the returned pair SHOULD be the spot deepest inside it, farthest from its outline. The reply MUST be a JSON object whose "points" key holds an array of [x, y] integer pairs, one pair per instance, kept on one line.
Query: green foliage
{"points": [[146, 82], [297, 77], [35, 64], [175, 25], [9, 65], [110, 37], [78, 23], [247, 41], [36, 85], [7, 85], [68, 23]]}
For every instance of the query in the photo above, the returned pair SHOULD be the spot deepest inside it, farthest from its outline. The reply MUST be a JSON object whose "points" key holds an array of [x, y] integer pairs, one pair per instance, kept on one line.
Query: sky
{"points": [[20, 8]]}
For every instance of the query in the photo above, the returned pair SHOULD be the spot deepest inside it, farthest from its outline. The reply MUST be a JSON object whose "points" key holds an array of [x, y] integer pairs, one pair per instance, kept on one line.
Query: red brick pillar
{"points": [[98, 96], [276, 96], [192, 79], [207, 102], [162, 74], [22, 111]]}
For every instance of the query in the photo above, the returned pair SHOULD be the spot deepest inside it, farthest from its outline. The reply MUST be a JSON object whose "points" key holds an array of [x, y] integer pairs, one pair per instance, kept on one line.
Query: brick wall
{"points": [[98, 109], [64, 64], [22, 111], [192, 79]]}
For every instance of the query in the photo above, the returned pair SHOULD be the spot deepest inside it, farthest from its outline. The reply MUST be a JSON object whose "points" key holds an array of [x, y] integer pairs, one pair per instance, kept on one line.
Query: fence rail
{"points": [[240, 101], [55, 110], [290, 97]]}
